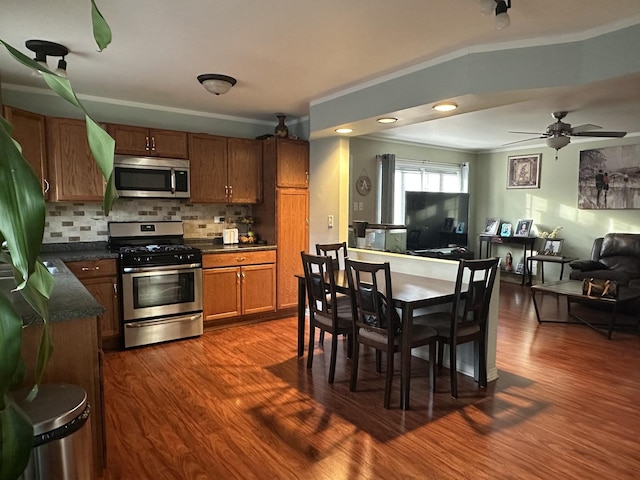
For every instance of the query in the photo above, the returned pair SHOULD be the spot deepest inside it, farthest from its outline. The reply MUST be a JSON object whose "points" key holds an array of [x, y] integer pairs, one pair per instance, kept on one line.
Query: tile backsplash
{"points": [[86, 222]]}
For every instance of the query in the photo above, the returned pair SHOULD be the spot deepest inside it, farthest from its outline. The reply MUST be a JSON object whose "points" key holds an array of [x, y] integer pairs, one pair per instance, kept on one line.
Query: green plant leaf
{"points": [[11, 338], [22, 207], [16, 441], [45, 350], [101, 30]]}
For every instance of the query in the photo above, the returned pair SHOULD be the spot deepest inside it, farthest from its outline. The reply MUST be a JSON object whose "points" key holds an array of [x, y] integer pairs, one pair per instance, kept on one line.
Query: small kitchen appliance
{"points": [[160, 279], [229, 236]]}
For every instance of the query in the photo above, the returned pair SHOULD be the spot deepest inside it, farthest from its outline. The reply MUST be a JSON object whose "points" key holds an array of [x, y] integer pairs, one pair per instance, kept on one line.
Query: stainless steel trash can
{"points": [[62, 445]]}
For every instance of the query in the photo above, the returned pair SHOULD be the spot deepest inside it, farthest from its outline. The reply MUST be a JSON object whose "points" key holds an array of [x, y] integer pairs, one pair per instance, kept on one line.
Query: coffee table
{"points": [[572, 290]]}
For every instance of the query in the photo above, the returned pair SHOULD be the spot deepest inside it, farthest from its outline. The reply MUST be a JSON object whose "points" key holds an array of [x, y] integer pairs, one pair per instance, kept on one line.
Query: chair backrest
{"points": [[321, 286], [371, 293], [471, 304], [337, 251]]}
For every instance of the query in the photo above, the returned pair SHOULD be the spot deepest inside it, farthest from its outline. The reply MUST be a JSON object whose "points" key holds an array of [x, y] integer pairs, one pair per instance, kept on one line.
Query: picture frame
{"points": [[523, 227], [447, 226], [523, 171], [492, 226], [506, 229], [460, 227], [520, 268], [552, 246]]}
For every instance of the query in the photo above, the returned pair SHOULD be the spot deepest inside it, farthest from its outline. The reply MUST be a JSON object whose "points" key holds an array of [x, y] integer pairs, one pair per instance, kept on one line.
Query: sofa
{"points": [[616, 256]]}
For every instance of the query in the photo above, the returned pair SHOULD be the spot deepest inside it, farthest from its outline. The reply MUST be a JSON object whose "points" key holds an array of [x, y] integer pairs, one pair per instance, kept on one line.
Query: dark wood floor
{"points": [[239, 404]]}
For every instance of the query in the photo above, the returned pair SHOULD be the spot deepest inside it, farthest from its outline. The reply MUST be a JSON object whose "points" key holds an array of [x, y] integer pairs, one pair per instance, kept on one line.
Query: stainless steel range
{"points": [[161, 282]]}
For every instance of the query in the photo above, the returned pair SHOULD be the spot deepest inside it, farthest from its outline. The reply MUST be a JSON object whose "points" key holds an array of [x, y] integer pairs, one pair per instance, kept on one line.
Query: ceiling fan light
{"points": [[61, 71], [216, 83], [558, 142], [487, 6], [502, 21]]}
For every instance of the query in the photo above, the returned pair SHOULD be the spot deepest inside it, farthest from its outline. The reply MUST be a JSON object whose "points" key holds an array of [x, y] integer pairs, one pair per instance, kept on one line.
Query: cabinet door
{"points": [[104, 290], [293, 237], [208, 159], [245, 170], [75, 175], [168, 143], [29, 132], [293, 163], [258, 288], [221, 292], [131, 140]]}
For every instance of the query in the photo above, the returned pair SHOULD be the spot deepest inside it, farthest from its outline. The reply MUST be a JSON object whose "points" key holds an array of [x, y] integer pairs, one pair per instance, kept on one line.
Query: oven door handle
{"points": [[163, 269], [163, 321]]}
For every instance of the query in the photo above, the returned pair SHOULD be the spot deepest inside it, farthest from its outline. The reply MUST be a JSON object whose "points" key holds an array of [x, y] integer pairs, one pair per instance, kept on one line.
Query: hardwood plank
{"points": [[237, 403]]}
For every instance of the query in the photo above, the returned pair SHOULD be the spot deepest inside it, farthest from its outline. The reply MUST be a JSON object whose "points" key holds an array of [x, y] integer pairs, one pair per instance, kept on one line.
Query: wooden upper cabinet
{"points": [[29, 132], [244, 170], [225, 170], [149, 142], [208, 160], [74, 173], [293, 163]]}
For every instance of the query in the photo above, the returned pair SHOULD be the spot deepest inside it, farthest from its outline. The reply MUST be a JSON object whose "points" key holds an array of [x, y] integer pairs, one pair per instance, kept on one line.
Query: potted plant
{"points": [[22, 219]]}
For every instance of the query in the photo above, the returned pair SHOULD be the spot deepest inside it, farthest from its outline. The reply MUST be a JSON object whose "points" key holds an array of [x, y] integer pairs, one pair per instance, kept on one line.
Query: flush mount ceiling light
{"points": [[499, 7], [445, 107], [216, 83], [44, 49], [344, 130], [387, 120]]}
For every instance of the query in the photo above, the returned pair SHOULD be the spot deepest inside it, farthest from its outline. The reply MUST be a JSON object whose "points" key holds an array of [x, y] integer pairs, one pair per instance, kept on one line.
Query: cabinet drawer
{"points": [[238, 258], [93, 268]]}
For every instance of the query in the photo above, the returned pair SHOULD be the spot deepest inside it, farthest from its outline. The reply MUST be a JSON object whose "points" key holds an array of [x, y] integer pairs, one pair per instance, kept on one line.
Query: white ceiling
{"points": [[288, 53]]}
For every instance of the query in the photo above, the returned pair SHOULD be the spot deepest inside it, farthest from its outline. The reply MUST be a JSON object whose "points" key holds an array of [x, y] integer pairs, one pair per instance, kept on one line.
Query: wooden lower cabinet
{"points": [[238, 284], [100, 278]]}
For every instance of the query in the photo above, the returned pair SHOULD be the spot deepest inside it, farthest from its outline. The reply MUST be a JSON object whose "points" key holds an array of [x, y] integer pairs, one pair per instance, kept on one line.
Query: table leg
{"points": [[535, 306], [542, 271], [405, 357], [561, 269], [302, 292]]}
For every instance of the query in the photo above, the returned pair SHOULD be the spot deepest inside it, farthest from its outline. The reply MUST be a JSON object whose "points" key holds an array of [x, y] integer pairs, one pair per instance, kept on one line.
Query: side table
{"points": [[541, 259], [526, 242]]}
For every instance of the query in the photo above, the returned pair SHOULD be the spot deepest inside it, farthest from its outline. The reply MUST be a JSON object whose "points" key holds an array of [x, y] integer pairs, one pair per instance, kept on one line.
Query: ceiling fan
{"points": [[558, 133]]}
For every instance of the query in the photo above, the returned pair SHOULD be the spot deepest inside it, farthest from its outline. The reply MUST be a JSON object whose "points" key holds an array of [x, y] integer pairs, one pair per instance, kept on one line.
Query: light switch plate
{"points": [[218, 219]]}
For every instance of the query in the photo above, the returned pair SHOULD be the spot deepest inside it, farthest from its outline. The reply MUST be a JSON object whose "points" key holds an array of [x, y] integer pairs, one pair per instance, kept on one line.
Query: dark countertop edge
{"points": [[76, 251], [207, 247], [69, 298]]}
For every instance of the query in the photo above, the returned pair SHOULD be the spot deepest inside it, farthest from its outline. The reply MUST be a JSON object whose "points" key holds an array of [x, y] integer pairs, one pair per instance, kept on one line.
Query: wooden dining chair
{"points": [[467, 319], [337, 251], [377, 324], [325, 312]]}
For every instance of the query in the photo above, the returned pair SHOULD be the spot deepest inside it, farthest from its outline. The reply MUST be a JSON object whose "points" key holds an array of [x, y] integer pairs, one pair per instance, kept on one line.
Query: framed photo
{"points": [[460, 227], [520, 268], [524, 171], [447, 226], [552, 246], [523, 227], [491, 228], [505, 231]]}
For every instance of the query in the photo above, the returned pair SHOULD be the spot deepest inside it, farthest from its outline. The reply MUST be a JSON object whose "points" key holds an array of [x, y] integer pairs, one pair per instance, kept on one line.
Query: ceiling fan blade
{"points": [[525, 140], [600, 134], [584, 128], [528, 133]]}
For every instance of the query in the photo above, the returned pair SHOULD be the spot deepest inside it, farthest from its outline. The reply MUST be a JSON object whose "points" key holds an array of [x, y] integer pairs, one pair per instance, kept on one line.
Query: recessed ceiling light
{"points": [[344, 130], [387, 120], [445, 107]]}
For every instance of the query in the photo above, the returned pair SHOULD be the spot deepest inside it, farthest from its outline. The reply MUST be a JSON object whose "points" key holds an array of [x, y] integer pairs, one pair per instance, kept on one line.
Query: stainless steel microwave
{"points": [[145, 177]]}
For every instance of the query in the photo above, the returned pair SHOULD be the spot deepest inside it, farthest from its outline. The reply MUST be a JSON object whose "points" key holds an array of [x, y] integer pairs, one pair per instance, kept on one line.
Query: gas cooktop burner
{"points": [[155, 248]]}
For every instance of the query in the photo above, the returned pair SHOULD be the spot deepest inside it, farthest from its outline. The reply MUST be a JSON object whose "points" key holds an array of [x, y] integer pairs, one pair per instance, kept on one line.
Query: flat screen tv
{"points": [[432, 219]]}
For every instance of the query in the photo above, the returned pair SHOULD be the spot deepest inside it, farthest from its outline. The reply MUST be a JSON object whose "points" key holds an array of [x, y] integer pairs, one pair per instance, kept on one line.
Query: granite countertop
{"points": [[206, 246], [69, 299], [78, 251]]}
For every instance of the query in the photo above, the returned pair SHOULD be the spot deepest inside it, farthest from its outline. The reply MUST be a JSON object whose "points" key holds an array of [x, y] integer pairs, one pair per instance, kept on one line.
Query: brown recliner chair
{"points": [[616, 256]]}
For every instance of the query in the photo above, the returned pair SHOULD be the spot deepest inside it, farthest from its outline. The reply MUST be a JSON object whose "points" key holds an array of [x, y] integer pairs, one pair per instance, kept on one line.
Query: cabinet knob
{"points": [[240, 259], [89, 269]]}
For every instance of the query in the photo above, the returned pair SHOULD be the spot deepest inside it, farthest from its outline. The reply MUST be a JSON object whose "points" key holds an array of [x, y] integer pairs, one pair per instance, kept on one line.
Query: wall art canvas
{"points": [[524, 171], [609, 178]]}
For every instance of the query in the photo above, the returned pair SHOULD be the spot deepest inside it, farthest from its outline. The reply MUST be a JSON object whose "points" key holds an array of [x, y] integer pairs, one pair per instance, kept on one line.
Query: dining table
{"points": [[409, 293]]}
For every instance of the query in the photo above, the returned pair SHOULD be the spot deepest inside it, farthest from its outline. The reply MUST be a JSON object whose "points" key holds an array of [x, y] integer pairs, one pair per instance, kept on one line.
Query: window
{"points": [[423, 176]]}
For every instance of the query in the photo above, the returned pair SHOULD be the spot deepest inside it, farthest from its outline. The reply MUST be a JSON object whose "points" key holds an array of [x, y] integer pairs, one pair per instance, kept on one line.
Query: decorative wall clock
{"points": [[363, 184]]}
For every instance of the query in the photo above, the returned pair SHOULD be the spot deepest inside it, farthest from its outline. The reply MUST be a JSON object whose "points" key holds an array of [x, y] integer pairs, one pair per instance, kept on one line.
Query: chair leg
{"points": [[482, 364], [440, 353], [453, 370], [349, 338], [354, 365], [378, 361], [334, 353], [321, 339], [389, 380], [312, 339], [432, 367]]}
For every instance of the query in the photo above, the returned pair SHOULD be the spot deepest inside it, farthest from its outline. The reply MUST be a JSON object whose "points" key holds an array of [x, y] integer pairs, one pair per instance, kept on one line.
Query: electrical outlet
{"points": [[355, 206], [330, 221], [218, 219], [360, 206]]}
